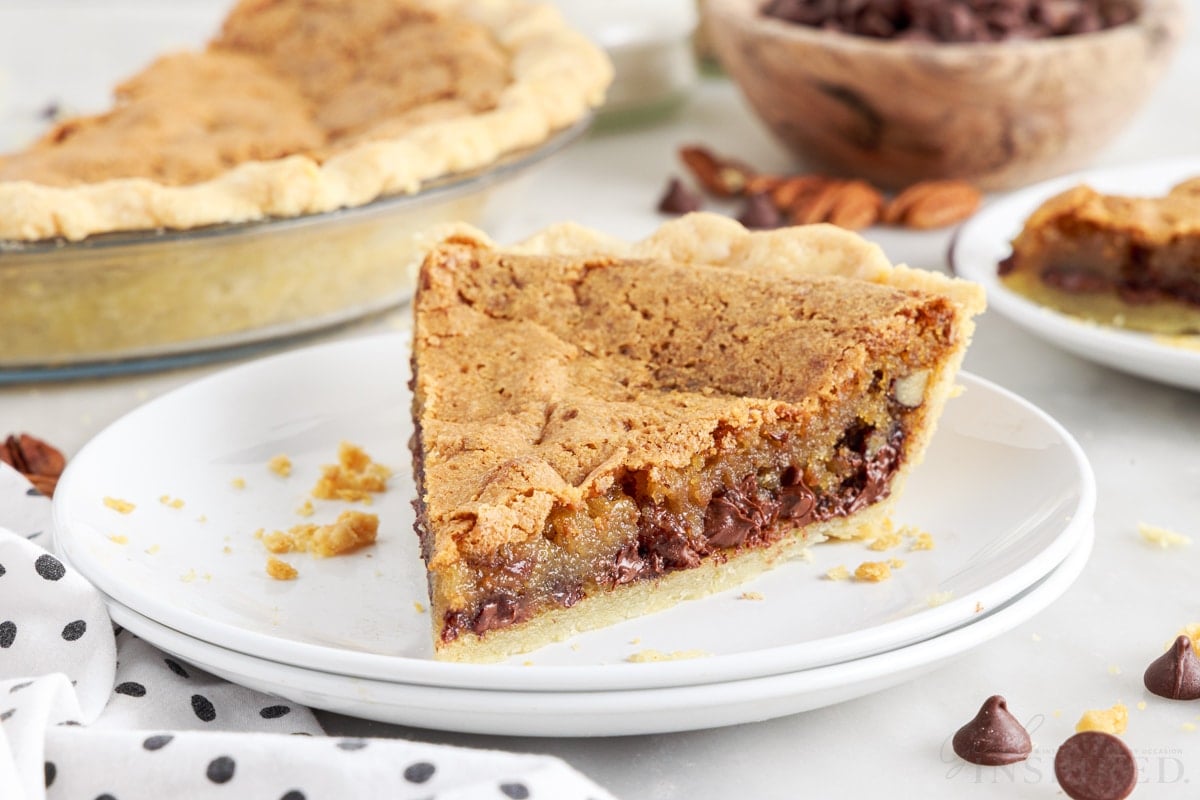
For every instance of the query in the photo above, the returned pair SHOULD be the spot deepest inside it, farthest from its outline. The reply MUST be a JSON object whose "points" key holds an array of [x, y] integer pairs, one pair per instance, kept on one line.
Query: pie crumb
{"points": [[886, 541], [118, 505], [152, 549], [1188, 726], [171, 502], [896, 563], [1162, 537], [227, 550], [750, 596], [117, 538], [238, 483], [938, 598], [1111, 720], [351, 531], [922, 541], [1113, 669], [280, 570], [420, 607], [1141, 705], [873, 571], [1192, 631], [307, 509], [354, 478], [646, 656], [281, 465], [838, 573], [189, 576]]}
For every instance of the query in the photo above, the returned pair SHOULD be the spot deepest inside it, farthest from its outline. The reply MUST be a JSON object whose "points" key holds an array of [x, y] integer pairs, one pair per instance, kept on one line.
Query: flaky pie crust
{"points": [[557, 77]]}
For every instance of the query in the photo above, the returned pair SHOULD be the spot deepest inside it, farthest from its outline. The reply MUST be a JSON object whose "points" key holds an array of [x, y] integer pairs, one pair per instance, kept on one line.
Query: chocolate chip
{"points": [[994, 737], [1095, 766], [955, 20], [1176, 673], [759, 213], [679, 199]]}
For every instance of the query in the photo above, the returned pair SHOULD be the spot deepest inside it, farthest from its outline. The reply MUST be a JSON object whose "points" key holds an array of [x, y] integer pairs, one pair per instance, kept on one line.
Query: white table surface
{"points": [[1087, 651]]}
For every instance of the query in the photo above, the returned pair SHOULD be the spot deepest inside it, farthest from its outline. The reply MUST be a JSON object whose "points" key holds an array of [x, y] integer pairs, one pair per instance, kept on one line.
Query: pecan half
{"points": [[33, 458], [933, 204], [723, 177], [857, 205]]}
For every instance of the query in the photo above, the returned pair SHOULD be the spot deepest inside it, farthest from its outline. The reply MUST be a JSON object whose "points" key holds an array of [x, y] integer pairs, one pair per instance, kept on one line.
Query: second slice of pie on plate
{"points": [[604, 429]]}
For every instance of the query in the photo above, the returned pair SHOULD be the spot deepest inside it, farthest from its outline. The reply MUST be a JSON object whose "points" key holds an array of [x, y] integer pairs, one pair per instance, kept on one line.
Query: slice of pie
{"points": [[603, 430], [1132, 262], [304, 106]]}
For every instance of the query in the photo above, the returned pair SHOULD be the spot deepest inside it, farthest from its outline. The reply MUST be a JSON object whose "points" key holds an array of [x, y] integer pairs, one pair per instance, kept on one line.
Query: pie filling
{"points": [[1090, 262], [752, 489]]}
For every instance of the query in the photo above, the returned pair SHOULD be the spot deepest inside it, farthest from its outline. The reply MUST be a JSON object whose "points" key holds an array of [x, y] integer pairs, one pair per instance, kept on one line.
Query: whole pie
{"points": [[604, 429], [304, 106]]}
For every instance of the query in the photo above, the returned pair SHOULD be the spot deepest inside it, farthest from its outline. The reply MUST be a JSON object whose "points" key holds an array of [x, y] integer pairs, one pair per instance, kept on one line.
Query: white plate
{"points": [[1005, 491], [610, 713], [983, 241]]}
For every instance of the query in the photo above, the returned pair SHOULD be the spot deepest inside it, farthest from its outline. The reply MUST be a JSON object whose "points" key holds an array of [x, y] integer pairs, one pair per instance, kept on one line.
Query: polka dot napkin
{"points": [[89, 714]]}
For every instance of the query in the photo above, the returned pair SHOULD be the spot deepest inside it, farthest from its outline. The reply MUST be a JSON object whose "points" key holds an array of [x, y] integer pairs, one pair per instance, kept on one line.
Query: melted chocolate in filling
{"points": [[744, 515]]}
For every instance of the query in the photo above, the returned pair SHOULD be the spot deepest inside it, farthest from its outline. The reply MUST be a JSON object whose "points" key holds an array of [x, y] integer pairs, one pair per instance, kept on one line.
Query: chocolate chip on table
{"points": [[679, 199], [1095, 766], [994, 737], [759, 213], [956, 21], [1176, 673]]}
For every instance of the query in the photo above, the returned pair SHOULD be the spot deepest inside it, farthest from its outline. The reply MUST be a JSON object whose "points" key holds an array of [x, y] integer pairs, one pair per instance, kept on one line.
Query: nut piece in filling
{"points": [[1131, 262], [603, 430]]}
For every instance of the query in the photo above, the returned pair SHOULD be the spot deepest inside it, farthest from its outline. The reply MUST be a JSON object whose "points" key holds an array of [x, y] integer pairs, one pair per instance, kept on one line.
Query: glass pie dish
{"points": [[133, 301]]}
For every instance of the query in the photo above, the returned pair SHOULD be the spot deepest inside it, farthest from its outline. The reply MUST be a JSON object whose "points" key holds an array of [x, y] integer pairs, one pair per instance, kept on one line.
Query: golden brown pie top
{"points": [[343, 100]]}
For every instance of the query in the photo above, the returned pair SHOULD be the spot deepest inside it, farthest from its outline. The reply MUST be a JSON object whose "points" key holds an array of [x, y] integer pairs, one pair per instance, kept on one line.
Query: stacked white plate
{"points": [[1006, 493]]}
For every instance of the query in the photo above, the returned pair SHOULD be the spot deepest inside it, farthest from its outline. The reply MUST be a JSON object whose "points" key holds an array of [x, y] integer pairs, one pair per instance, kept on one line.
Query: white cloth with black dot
{"points": [[87, 715]]}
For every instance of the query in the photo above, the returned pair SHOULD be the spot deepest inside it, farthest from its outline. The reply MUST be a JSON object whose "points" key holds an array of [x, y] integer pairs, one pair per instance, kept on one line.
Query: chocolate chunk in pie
{"points": [[604, 430]]}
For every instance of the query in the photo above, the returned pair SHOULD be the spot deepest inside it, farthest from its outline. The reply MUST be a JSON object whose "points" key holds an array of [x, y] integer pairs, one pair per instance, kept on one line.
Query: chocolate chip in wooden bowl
{"points": [[679, 199], [956, 21], [1095, 766], [1175, 674], [994, 737]]}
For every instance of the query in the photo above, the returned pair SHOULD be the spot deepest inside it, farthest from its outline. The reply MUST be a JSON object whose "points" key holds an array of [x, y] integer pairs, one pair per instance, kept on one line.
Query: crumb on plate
{"points": [[281, 465], [354, 478], [646, 656], [873, 572], [352, 530], [838, 573], [118, 505], [280, 570]]}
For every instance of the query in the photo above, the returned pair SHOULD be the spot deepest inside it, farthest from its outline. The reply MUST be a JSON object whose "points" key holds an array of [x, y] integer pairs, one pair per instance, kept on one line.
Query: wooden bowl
{"points": [[999, 114]]}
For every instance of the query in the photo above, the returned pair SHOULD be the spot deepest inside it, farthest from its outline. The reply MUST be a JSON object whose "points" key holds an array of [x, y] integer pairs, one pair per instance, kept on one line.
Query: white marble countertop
{"points": [[1087, 651]]}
